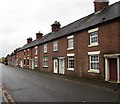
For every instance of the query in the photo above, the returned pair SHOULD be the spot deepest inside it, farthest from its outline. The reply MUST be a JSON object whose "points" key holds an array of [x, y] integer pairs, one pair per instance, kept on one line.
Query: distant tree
{"points": [[6, 60]]}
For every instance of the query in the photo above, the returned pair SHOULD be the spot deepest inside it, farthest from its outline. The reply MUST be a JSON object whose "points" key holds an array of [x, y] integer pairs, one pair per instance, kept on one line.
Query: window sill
{"points": [[45, 52], [71, 69], [55, 50], [93, 71], [70, 48], [45, 66], [93, 45]]}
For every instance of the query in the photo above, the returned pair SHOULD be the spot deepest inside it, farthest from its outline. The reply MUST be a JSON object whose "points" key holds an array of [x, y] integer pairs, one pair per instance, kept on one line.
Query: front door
{"points": [[55, 66], [21, 63], [32, 65], [113, 69], [61, 66]]}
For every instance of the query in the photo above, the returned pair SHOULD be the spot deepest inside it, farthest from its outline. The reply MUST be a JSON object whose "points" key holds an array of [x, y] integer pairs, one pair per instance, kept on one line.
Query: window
{"points": [[27, 52], [93, 37], [94, 61], [24, 53], [70, 63], [45, 48], [28, 62], [45, 61], [36, 50], [55, 46], [36, 61], [70, 42], [24, 61]]}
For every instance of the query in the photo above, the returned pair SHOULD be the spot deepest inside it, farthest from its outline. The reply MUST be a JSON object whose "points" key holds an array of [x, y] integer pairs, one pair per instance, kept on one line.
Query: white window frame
{"points": [[96, 53], [36, 50], [70, 56], [36, 61], [27, 52], [69, 38], [45, 48], [90, 32], [55, 46], [45, 60]]}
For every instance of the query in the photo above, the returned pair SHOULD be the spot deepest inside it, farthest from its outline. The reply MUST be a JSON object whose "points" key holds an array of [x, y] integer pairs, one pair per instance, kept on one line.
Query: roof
{"points": [[109, 13]]}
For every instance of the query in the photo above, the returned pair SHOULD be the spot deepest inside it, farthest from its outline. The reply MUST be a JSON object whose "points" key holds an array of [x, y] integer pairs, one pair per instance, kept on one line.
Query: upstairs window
{"points": [[93, 34], [70, 42], [55, 46], [94, 38], [24, 53], [45, 48], [36, 50], [27, 52]]}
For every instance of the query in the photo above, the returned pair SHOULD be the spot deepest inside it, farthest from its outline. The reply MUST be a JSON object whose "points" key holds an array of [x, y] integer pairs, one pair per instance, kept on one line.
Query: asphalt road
{"points": [[31, 86]]}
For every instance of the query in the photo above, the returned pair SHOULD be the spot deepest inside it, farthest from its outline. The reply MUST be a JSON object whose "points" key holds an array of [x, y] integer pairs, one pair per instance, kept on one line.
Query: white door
{"points": [[21, 64], [32, 64], [61, 66], [55, 66]]}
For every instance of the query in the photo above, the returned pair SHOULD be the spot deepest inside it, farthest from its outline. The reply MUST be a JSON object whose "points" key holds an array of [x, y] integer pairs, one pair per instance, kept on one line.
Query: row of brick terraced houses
{"points": [[88, 47]]}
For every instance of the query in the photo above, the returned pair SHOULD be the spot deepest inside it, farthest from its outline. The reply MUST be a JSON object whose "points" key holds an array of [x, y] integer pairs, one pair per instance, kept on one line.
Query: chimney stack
{"points": [[29, 40], [39, 35], [100, 4], [55, 26]]}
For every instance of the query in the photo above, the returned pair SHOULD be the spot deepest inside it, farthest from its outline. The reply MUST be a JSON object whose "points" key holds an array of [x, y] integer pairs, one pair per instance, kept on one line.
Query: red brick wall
{"points": [[108, 36], [108, 43], [62, 52]]}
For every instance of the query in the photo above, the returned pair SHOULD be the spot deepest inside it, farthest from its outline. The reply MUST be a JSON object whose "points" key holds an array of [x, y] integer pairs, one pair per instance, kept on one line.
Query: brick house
{"points": [[88, 47]]}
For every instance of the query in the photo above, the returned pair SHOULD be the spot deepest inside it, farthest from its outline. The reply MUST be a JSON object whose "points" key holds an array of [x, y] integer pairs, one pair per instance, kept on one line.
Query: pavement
{"points": [[38, 86]]}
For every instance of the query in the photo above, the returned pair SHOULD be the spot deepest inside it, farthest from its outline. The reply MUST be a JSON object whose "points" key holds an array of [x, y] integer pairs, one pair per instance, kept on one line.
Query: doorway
{"points": [[61, 66], [55, 70], [113, 69]]}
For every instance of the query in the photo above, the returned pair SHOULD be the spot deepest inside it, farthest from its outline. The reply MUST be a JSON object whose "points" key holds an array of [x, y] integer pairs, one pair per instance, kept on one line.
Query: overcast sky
{"points": [[21, 19]]}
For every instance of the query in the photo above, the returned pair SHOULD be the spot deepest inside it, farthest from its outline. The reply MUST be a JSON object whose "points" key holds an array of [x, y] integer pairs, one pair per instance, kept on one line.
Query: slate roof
{"points": [[106, 14]]}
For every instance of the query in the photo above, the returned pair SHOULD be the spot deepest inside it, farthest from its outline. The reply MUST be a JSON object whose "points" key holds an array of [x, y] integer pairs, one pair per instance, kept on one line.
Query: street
{"points": [[32, 86]]}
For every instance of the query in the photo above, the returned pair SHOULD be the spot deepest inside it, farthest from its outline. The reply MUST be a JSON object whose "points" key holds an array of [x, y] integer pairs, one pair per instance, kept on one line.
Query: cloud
{"points": [[7, 29]]}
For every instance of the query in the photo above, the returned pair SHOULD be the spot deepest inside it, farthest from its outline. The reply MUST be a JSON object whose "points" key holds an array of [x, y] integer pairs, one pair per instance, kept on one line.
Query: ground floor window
{"points": [[94, 62], [24, 61], [36, 61], [70, 63], [27, 61], [45, 61]]}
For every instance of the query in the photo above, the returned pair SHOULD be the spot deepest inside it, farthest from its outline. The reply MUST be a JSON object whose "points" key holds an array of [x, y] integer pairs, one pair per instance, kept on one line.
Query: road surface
{"points": [[32, 86]]}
